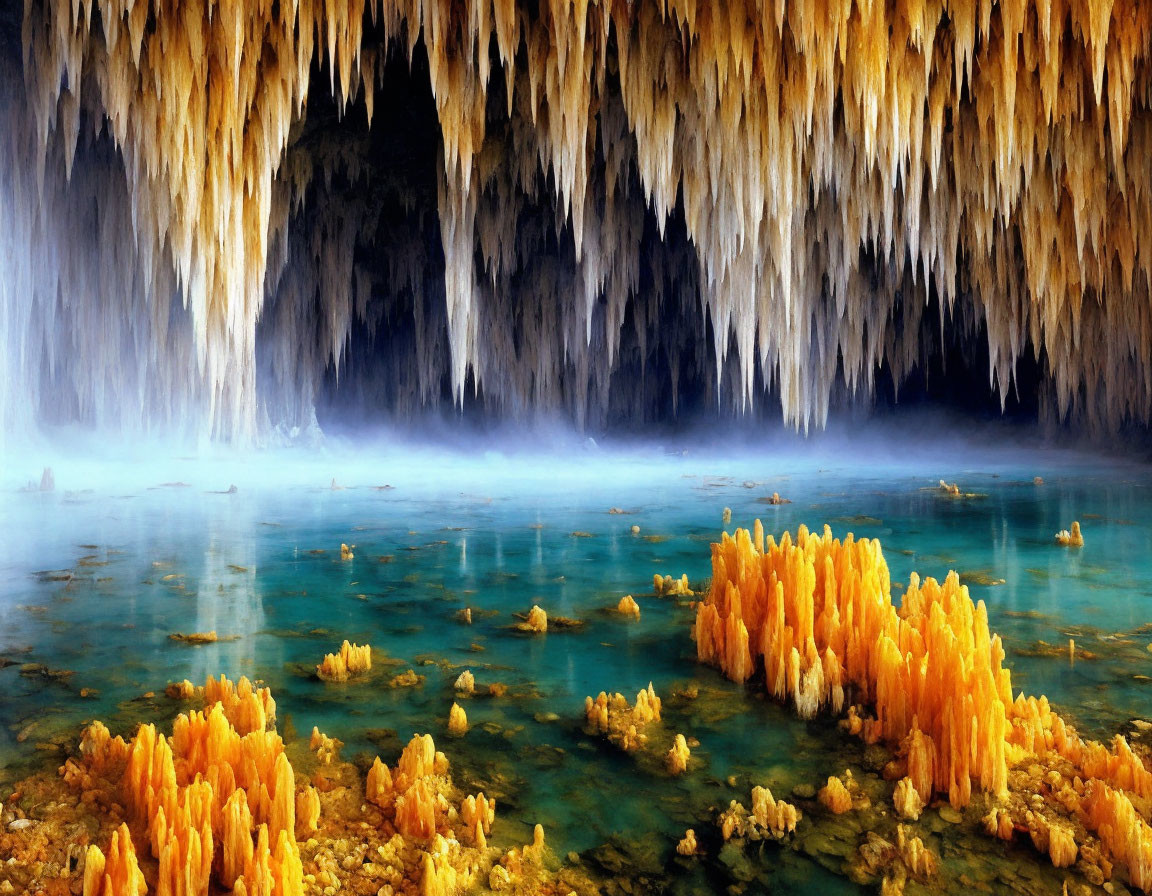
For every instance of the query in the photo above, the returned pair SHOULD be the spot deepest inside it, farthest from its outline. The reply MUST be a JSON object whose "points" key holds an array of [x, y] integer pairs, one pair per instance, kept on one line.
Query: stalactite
{"points": [[818, 173]]}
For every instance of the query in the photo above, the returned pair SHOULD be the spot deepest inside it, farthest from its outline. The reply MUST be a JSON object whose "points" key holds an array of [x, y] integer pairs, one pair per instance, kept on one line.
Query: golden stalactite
{"points": [[990, 155]]}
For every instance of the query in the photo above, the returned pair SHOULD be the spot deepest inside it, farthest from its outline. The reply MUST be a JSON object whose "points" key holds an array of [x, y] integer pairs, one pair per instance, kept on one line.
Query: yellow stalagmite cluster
{"points": [[352, 660], [204, 794], [989, 154], [1070, 539], [118, 873], [666, 586], [678, 756], [769, 818], [815, 614], [610, 715], [415, 795]]}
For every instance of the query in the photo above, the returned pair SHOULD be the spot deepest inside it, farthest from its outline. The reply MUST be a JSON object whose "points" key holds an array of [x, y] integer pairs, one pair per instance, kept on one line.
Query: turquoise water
{"points": [[95, 580]]}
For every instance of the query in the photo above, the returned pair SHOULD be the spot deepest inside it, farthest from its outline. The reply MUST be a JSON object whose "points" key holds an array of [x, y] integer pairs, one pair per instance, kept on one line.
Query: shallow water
{"points": [[94, 581]]}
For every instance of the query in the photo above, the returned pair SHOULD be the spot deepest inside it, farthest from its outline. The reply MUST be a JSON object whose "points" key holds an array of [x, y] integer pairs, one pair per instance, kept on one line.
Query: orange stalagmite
{"points": [[678, 756], [835, 796], [415, 794], [666, 586], [350, 661], [907, 800], [623, 724], [327, 749], [628, 606], [816, 615], [537, 620], [118, 874], [248, 708], [1071, 539], [307, 811], [202, 792], [457, 720], [379, 784]]}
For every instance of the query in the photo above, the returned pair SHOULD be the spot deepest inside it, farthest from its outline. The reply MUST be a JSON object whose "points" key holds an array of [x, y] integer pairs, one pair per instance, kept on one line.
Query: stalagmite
{"points": [[201, 794], [918, 859], [687, 845], [307, 812], [906, 800], [352, 660], [457, 720], [933, 672], [537, 620], [327, 749], [769, 818], [835, 796], [1070, 539], [623, 725], [378, 788], [678, 756], [666, 586], [118, 874], [465, 683], [628, 606]]}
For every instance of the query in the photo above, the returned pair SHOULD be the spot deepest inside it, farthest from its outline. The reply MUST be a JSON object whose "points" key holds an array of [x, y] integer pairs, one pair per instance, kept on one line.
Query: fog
{"points": [[539, 458]]}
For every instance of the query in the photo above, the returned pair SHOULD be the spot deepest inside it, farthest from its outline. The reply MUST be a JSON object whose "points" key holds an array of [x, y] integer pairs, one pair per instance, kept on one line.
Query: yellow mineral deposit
{"points": [[378, 785], [835, 796], [191, 793], [678, 756], [457, 720], [998, 823], [769, 818], [327, 749], [119, 873], [726, 516], [416, 796], [687, 845], [635, 530], [623, 725], [478, 814], [352, 660], [1054, 839], [628, 607], [906, 800], [537, 621], [950, 488], [666, 586], [307, 812], [465, 683], [1070, 539], [816, 614], [346, 551], [180, 690], [917, 858]]}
